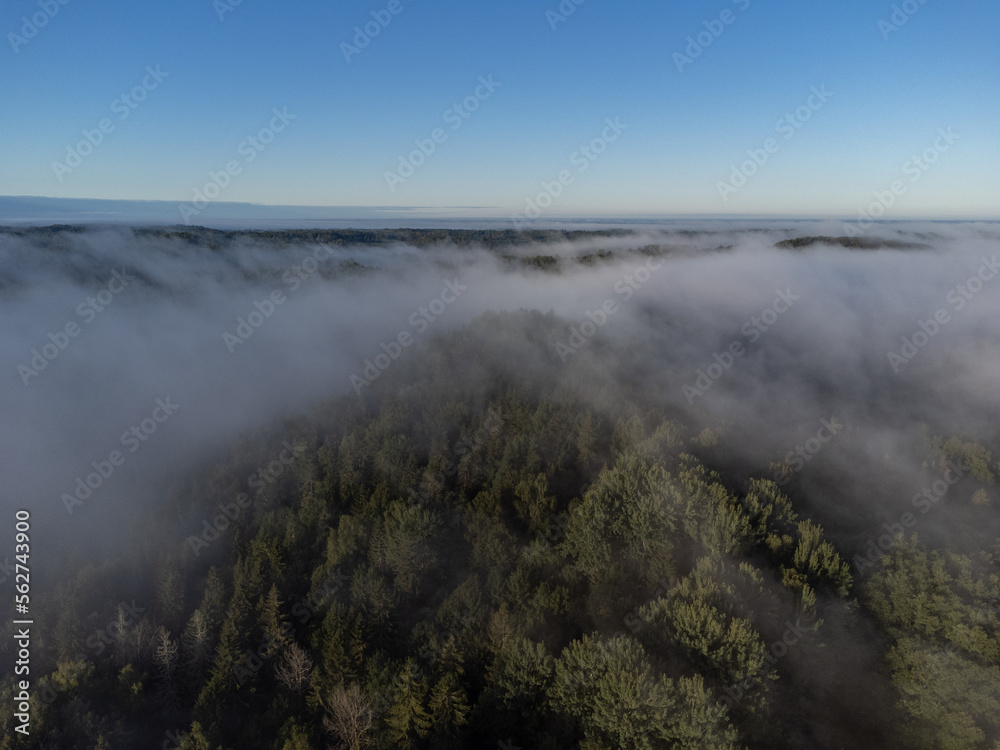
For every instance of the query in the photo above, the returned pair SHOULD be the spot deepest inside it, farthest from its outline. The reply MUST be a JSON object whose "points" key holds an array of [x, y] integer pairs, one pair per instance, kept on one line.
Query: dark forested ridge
{"points": [[852, 243], [516, 249], [481, 553], [491, 238]]}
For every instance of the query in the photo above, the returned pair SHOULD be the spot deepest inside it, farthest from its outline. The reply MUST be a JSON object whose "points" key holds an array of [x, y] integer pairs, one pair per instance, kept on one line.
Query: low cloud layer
{"points": [[106, 329]]}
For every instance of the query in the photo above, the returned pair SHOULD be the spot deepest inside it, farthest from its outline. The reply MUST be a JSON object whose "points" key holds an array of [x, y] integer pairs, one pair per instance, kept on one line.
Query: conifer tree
{"points": [[407, 719]]}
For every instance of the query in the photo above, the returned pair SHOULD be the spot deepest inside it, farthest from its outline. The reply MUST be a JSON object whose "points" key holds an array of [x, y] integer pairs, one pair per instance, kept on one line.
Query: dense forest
{"points": [[216, 238], [476, 553]]}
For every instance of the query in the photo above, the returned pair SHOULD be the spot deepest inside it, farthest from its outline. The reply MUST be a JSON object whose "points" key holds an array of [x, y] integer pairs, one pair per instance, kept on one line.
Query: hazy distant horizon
{"points": [[44, 211]]}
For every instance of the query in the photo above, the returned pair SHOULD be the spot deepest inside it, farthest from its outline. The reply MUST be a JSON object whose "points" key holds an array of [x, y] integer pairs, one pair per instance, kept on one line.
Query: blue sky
{"points": [[892, 93]]}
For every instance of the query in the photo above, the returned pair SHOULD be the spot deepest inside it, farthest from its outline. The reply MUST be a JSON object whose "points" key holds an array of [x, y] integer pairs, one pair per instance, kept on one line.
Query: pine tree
{"points": [[213, 601], [136, 643], [407, 719], [533, 504], [611, 691], [332, 643], [271, 620], [195, 740], [196, 641], [225, 665], [165, 662], [586, 442], [449, 705], [123, 624], [170, 594], [247, 582]]}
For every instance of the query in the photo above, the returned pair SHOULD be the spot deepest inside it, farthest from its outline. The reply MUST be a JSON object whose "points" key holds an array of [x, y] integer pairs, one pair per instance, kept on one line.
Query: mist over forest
{"points": [[703, 485]]}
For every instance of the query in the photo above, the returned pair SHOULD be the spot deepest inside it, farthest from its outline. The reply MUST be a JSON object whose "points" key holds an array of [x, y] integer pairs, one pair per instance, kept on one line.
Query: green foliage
{"points": [[697, 617], [533, 504], [407, 719], [298, 739], [69, 676], [403, 545], [612, 693], [941, 597], [942, 610], [953, 701], [195, 739], [271, 618], [712, 515], [457, 562], [519, 679], [448, 704], [626, 520], [819, 561], [976, 457], [213, 600]]}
